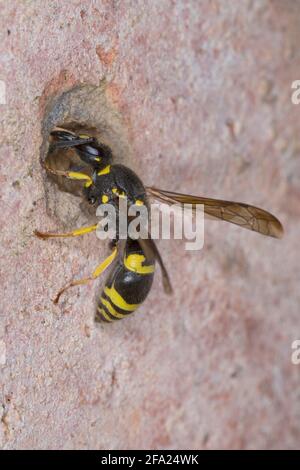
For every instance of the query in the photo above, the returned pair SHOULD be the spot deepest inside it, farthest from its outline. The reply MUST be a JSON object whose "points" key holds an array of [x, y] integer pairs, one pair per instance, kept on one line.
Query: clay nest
{"points": [[84, 109]]}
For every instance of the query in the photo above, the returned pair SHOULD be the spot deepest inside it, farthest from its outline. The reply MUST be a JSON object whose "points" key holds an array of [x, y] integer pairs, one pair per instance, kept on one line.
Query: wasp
{"points": [[133, 261]]}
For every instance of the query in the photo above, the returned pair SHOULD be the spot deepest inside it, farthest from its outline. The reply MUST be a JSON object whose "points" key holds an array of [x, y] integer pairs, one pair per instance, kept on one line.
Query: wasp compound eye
{"points": [[92, 150], [95, 154]]}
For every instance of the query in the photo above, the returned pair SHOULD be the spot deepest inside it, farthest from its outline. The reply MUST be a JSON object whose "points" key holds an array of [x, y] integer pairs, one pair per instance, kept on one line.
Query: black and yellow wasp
{"points": [[133, 261]]}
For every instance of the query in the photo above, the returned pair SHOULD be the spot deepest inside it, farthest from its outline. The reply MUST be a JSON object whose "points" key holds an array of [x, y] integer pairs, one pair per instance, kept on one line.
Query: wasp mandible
{"points": [[133, 261]]}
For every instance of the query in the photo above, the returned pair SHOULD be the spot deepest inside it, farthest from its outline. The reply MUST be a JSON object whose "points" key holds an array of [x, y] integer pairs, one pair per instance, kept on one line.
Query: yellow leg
{"points": [[73, 175], [74, 233], [99, 270]]}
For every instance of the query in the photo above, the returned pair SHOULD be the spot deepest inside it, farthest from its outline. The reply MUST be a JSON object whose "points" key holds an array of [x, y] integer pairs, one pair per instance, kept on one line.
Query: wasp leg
{"points": [[73, 175], [74, 233], [98, 271]]}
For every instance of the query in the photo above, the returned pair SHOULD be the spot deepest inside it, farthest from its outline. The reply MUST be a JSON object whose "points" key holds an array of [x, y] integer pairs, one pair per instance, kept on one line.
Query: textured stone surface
{"points": [[203, 88]]}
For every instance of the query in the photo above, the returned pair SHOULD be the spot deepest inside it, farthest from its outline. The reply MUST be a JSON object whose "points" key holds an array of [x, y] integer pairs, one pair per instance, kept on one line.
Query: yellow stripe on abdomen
{"points": [[103, 313], [111, 309], [117, 300], [134, 263]]}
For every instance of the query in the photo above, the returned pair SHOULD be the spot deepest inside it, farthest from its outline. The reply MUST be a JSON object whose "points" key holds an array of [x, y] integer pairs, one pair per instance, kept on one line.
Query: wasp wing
{"points": [[238, 213], [151, 252]]}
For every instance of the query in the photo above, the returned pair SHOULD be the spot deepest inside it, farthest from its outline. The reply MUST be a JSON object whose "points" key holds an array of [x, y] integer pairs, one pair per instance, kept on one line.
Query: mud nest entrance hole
{"points": [[87, 110]]}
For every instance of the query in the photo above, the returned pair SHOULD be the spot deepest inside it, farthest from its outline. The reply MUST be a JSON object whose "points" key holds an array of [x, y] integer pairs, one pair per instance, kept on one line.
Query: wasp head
{"points": [[96, 154]]}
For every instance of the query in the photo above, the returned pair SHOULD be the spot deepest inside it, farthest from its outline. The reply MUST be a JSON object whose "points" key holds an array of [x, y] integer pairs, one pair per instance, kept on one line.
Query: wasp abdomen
{"points": [[127, 286]]}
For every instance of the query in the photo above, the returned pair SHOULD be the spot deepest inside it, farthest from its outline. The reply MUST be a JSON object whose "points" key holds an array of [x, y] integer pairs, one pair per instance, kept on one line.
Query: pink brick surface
{"points": [[204, 90]]}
